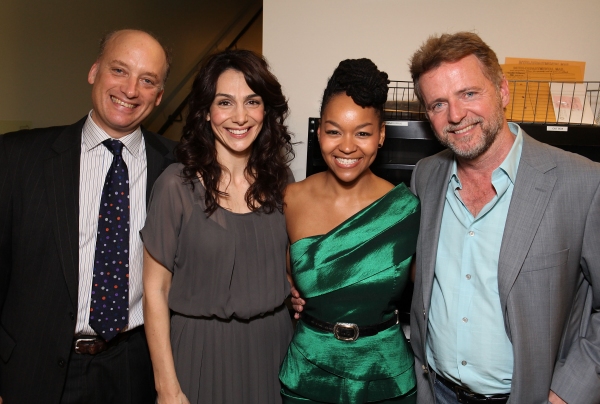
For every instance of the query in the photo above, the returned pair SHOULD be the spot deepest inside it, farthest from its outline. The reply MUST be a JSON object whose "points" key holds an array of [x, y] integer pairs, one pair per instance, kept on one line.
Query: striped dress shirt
{"points": [[95, 162]]}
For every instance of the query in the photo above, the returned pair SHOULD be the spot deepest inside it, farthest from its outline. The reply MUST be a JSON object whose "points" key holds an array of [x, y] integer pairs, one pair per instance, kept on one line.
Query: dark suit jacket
{"points": [[548, 273], [39, 255]]}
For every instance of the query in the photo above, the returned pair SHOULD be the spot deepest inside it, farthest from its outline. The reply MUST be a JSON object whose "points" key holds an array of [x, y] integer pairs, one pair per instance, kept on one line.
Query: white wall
{"points": [[304, 40]]}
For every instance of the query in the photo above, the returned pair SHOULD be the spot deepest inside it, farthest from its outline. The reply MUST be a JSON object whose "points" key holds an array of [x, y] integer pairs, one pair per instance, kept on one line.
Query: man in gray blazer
{"points": [[51, 182], [507, 285]]}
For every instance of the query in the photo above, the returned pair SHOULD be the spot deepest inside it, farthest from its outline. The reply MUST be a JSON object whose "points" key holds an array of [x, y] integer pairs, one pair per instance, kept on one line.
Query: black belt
{"points": [[466, 396], [349, 331], [93, 345]]}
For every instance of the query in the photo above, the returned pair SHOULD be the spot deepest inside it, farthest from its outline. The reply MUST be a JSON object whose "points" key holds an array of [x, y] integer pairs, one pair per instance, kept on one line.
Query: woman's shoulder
{"points": [[173, 169], [303, 189], [171, 177], [374, 188], [383, 186]]}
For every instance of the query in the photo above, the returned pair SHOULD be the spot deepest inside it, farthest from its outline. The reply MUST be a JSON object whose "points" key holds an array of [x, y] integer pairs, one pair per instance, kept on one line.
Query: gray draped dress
{"points": [[229, 327]]}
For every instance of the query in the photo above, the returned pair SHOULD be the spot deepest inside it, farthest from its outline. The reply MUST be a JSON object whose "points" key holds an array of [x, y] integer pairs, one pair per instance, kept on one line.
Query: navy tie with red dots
{"points": [[109, 308]]}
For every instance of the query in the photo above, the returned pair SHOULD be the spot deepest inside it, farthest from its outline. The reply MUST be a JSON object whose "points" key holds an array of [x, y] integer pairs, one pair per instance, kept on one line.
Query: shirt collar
{"points": [[510, 164], [93, 136]]}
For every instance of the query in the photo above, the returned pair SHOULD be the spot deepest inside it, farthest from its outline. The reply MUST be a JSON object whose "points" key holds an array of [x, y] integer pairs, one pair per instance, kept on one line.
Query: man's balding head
{"points": [[127, 80]]}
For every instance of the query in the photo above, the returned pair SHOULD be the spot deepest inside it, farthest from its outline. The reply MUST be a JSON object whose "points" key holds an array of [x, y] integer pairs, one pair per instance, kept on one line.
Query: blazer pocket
{"points": [[546, 261], [7, 344]]}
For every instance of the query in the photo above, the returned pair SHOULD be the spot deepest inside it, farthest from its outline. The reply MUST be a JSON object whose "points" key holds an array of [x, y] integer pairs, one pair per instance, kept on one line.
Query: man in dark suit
{"points": [[506, 303], [51, 184]]}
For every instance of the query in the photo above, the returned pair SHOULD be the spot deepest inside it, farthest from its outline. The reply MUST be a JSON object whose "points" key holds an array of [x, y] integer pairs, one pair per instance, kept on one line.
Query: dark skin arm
{"points": [[297, 303]]}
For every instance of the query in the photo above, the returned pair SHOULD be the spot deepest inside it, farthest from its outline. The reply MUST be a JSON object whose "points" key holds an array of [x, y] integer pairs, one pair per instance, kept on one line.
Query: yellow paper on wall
{"points": [[541, 72], [548, 62], [531, 99]]}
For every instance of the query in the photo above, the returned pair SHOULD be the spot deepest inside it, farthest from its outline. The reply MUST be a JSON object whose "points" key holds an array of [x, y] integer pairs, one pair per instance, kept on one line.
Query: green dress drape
{"points": [[355, 274]]}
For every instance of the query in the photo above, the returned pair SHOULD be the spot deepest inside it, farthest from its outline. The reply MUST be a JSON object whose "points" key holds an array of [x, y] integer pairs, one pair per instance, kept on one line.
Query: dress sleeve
{"points": [[290, 176], [168, 209]]}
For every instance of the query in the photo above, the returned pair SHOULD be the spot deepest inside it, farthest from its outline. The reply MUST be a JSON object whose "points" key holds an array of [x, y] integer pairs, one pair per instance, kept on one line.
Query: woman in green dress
{"points": [[352, 238]]}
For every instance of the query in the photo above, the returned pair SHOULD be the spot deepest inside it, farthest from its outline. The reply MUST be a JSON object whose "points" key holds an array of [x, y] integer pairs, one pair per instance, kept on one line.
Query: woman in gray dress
{"points": [[215, 242]]}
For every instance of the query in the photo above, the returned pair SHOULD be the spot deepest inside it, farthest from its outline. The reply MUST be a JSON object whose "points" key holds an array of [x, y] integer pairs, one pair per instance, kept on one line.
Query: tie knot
{"points": [[115, 146]]}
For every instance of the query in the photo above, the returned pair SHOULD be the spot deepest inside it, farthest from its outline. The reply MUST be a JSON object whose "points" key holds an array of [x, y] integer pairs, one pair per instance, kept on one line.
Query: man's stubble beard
{"points": [[489, 132]]}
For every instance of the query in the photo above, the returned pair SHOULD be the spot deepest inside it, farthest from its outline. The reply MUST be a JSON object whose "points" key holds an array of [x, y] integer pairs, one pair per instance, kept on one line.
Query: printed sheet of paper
{"points": [[571, 103], [529, 100], [548, 63], [529, 82]]}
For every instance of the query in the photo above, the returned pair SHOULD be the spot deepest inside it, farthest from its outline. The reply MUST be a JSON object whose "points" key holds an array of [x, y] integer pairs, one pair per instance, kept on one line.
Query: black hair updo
{"points": [[362, 81]]}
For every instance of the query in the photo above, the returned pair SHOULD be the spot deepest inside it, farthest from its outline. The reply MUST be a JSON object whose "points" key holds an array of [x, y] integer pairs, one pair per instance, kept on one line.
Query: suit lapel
{"points": [[62, 190], [431, 221], [531, 194]]}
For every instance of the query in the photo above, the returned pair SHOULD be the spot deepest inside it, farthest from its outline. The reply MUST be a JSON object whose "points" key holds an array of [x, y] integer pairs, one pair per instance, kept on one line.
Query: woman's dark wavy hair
{"points": [[271, 151], [361, 80]]}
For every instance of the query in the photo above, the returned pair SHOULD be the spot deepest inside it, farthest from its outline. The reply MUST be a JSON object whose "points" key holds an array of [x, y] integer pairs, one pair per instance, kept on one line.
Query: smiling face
{"points": [[236, 115], [349, 136], [464, 107], [127, 82]]}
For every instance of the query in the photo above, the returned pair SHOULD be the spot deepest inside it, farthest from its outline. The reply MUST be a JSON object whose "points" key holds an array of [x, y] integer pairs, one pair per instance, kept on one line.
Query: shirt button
{"points": [[465, 320], [471, 233], [468, 276], [464, 363]]}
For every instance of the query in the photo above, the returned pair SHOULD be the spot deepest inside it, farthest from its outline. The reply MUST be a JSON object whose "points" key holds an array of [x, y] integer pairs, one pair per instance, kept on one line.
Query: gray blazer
{"points": [[548, 273]]}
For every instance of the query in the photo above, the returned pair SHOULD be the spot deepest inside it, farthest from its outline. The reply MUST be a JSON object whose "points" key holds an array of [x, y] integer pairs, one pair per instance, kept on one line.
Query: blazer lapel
{"points": [[531, 194], [62, 189], [431, 221]]}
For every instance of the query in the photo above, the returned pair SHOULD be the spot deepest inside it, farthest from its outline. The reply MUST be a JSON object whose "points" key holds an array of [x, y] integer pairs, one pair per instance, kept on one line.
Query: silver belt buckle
{"points": [[78, 340], [345, 326]]}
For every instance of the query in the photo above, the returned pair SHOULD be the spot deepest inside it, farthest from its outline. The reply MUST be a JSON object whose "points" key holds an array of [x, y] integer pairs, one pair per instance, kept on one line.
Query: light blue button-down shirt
{"points": [[467, 342]]}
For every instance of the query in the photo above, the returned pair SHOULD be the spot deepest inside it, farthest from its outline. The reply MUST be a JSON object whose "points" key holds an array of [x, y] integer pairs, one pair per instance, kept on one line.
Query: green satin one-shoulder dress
{"points": [[354, 274]]}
